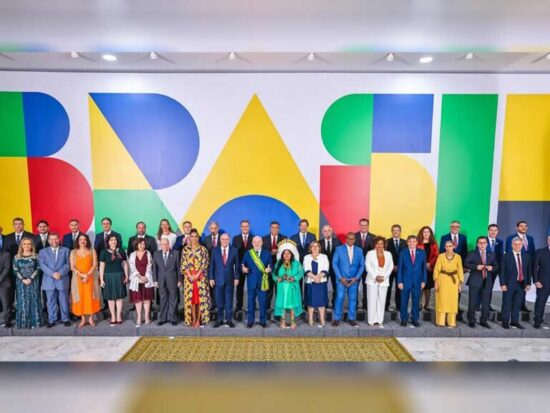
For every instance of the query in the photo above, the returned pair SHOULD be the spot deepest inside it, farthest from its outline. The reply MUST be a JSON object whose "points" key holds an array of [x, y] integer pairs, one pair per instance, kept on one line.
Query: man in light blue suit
{"points": [[224, 277], [348, 263], [411, 279], [54, 263]]}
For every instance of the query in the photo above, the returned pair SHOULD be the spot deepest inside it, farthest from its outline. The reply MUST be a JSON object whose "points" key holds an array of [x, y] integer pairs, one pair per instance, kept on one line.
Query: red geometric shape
{"points": [[59, 192], [345, 196]]}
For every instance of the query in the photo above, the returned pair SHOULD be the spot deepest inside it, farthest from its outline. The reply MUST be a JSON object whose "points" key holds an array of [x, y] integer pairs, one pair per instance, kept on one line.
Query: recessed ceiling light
{"points": [[426, 59], [153, 56], [311, 57], [74, 55], [390, 57], [108, 57], [469, 56], [232, 56]]}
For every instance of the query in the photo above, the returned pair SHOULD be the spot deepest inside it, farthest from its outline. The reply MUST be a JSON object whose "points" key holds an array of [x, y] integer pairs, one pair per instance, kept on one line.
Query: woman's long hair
{"points": [[76, 244], [20, 249], [420, 236], [159, 232], [282, 260]]}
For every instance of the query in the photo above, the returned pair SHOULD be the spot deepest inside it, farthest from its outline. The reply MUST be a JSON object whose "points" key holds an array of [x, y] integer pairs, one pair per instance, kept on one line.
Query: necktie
{"points": [[224, 256], [492, 245], [245, 241], [484, 261], [44, 242], [303, 241], [328, 246], [105, 235], [455, 241], [363, 241], [74, 237], [17, 238], [273, 243], [412, 256], [396, 245], [520, 268], [55, 255], [165, 258], [214, 241], [1, 241], [525, 243]]}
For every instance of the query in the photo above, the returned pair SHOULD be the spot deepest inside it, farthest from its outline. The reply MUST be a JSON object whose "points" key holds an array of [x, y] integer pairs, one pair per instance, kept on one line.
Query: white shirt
{"points": [[350, 253]]}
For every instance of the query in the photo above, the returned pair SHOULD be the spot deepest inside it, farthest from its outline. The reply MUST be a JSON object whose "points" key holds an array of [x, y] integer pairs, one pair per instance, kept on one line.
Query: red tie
{"points": [[363, 241], [520, 269], [412, 256], [245, 240], [224, 256], [273, 243], [455, 242], [484, 261]]}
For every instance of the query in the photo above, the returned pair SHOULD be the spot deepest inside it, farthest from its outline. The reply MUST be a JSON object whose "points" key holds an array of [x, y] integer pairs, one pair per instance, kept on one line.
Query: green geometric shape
{"points": [[346, 129], [12, 125], [127, 207], [465, 172]]}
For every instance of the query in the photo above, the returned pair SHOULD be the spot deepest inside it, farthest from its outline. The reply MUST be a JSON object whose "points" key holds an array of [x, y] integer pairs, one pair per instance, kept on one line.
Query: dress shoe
{"points": [[67, 323], [174, 323], [525, 309], [517, 325], [249, 325], [230, 324], [472, 324], [416, 324], [160, 323], [537, 326], [353, 323], [50, 325], [403, 324], [491, 308], [8, 324], [218, 323], [335, 323], [505, 325], [485, 324], [264, 325]]}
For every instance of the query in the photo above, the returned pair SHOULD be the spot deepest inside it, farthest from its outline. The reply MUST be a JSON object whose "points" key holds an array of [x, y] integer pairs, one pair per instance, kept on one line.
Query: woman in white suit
{"points": [[379, 265], [316, 268]]}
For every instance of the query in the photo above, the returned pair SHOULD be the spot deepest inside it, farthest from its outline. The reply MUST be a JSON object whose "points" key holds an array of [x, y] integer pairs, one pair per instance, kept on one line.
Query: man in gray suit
{"points": [[54, 263], [5, 287], [166, 277]]}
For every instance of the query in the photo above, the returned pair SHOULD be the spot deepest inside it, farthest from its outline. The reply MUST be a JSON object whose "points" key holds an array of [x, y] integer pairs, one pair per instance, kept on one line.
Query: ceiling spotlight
{"points": [[389, 57], [74, 55], [311, 57], [232, 56], [108, 57], [426, 59], [548, 56], [153, 55], [469, 56]]}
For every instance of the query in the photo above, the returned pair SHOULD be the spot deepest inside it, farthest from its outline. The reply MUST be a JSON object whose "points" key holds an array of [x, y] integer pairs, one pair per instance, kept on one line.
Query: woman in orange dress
{"points": [[85, 291]]}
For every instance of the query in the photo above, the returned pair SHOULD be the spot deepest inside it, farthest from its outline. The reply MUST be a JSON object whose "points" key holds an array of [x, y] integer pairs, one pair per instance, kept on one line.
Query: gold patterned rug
{"points": [[276, 349]]}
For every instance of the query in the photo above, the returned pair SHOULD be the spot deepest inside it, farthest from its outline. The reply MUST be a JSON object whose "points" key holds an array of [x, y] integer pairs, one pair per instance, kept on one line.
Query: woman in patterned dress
{"points": [[27, 291], [196, 295]]}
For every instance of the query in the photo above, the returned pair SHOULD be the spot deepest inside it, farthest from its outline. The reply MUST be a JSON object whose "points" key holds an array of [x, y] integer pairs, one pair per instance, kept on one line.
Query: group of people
{"points": [[67, 275]]}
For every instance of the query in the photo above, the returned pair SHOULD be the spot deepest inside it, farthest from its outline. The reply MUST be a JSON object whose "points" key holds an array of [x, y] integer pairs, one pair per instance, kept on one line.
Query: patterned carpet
{"points": [[258, 349]]}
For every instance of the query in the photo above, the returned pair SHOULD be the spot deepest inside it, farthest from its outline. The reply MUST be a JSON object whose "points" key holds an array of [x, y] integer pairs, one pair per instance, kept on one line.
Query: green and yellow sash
{"points": [[261, 267]]}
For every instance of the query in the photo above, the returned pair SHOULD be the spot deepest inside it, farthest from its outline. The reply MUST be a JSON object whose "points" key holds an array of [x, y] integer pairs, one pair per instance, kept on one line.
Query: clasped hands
{"points": [[348, 281]]}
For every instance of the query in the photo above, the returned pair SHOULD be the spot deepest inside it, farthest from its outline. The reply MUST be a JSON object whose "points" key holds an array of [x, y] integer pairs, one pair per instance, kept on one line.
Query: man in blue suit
{"points": [[348, 263], [411, 279], [100, 242], [515, 280], [257, 267], [496, 246], [459, 241], [70, 238], [303, 238], [54, 263], [541, 278], [224, 276]]}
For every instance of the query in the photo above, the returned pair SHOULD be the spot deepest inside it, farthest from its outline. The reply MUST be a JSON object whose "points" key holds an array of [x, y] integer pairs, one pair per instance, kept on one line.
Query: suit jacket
{"points": [[373, 269], [498, 250], [180, 244], [207, 241], [334, 243], [68, 242], [237, 242], [5, 269], [38, 243], [2, 242], [530, 243], [476, 276], [150, 244], [49, 265], [412, 275], [10, 242], [254, 276], [342, 266], [541, 269], [434, 253], [461, 248], [303, 249], [509, 271], [369, 242], [220, 273], [390, 246], [99, 242], [266, 245], [170, 271]]}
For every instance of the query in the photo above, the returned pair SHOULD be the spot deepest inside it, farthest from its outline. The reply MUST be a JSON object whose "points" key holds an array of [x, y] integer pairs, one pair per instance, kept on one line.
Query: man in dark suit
{"points": [[212, 241], [269, 243], [364, 240], [150, 242], [482, 264], [41, 239], [70, 238], [411, 279], [223, 276], [100, 242], [303, 238], [11, 241], [243, 242], [183, 239], [328, 243], [460, 242], [395, 245], [541, 278], [6, 292], [527, 247], [496, 246], [166, 276], [515, 280]]}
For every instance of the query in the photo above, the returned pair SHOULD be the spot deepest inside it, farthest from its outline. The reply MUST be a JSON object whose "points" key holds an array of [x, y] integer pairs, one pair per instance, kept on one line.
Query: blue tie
{"points": [[1, 242]]}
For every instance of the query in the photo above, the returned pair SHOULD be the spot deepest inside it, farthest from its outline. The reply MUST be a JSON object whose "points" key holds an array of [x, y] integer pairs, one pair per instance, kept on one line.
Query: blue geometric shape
{"points": [[158, 132], [402, 123], [46, 124], [260, 210]]}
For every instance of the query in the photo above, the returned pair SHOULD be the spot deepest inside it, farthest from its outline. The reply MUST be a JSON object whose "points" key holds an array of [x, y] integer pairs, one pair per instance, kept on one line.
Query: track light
{"points": [[469, 56], [311, 57], [108, 57], [426, 59], [390, 57], [75, 55]]}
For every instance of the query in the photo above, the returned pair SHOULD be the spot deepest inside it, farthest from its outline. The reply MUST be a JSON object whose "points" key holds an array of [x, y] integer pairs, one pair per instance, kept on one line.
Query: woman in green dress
{"points": [[113, 273], [287, 275]]}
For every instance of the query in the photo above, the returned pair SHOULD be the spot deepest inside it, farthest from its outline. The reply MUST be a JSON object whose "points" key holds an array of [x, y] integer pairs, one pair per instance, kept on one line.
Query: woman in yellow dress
{"points": [[85, 291], [196, 294], [448, 279]]}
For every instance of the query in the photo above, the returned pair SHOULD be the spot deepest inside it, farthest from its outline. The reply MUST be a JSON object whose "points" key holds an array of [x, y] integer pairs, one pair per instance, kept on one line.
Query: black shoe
{"points": [[478, 308], [50, 325], [403, 324], [484, 324], [471, 324], [264, 325], [353, 323], [160, 323], [416, 324], [230, 324], [249, 325], [335, 323], [505, 325], [8, 324], [525, 309], [537, 326], [491, 308], [174, 323], [517, 325], [67, 323], [218, 323]]}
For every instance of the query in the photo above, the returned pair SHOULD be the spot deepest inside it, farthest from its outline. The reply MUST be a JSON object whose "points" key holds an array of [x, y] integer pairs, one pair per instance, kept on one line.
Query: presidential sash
{"points": [[261, 267]]}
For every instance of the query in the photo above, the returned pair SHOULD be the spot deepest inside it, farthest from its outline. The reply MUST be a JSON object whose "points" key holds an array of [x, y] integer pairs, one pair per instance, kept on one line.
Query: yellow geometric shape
{"points": [[15, 198], [112, 165], [254, 161], [401, 192], [525, 173]]}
